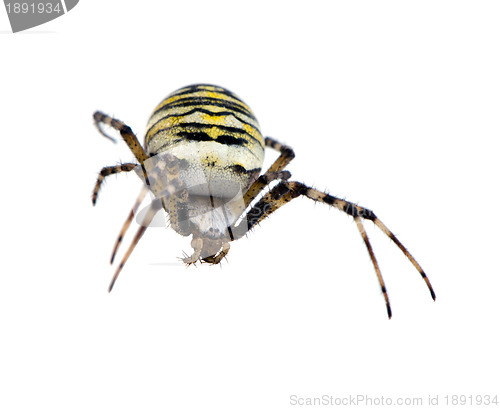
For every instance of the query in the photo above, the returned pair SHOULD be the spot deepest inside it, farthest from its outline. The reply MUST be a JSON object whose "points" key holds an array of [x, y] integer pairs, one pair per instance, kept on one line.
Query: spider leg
{"points": [[125, 132], [274, 172], [126, 225], [216, 259], [286, 155], [154, 208], [286, 191], [197, 245], [110, 170], [163, 180], [368, 245], [396, 241], [132, 142]]}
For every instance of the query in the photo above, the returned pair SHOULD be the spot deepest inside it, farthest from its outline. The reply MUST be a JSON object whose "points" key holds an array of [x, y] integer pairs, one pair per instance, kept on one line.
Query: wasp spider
{"points": [[202, 157]]}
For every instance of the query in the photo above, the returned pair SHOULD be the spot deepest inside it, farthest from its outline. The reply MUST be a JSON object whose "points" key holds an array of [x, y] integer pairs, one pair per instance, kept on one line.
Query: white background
{"points": [[393, 105]]}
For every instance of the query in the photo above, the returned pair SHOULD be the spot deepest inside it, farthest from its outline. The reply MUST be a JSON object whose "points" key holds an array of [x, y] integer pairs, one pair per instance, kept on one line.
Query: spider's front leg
{"points": [[125, 132], [107, 171], [132, 142], [287, 191]]}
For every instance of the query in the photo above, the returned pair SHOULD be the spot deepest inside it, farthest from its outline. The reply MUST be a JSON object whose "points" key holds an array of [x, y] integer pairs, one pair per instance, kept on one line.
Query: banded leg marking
{"points": [[263, 181], [286, 191], [125, 132], [154, 208], [274, 172], [129, 219], [286, 155], [107, 171]]}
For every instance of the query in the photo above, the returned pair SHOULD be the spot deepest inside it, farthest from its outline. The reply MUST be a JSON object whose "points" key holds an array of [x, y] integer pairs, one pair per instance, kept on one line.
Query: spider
{"points": [[201, 159]]}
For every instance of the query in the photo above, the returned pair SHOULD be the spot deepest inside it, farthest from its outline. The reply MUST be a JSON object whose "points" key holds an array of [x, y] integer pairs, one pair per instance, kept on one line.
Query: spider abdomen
{"points": [[213, 133]]}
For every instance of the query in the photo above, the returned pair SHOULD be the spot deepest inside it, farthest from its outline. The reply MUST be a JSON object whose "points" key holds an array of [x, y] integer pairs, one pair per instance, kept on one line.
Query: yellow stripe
{"points": [[163, 126], [202, 94]]}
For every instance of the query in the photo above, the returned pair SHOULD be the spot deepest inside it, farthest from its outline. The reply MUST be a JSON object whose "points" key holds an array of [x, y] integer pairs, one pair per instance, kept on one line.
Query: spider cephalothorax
{"points": [[202, 159]]}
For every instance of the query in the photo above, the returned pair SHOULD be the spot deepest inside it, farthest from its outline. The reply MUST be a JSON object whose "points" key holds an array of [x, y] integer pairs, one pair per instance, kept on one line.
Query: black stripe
{"points": [[242, 170], [207, 101], [221, 139], [194, 101], [230, 140], [199, 88], [206, 111], [279, 190], [350, 209], [195, 136], [204, 137], [199, 125], [329, 200]]}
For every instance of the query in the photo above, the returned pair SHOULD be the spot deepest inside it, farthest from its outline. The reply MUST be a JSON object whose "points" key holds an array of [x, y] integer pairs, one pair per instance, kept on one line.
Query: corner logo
{"points": [[24, 14]]}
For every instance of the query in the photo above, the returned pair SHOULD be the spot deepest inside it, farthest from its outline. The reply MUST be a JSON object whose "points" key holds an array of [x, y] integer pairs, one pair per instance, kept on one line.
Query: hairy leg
{"points": [[287, 191]]}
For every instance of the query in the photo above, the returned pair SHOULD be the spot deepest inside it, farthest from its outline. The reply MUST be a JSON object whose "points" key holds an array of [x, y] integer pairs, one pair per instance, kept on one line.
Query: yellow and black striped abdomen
{"points": [[211, 130]]}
